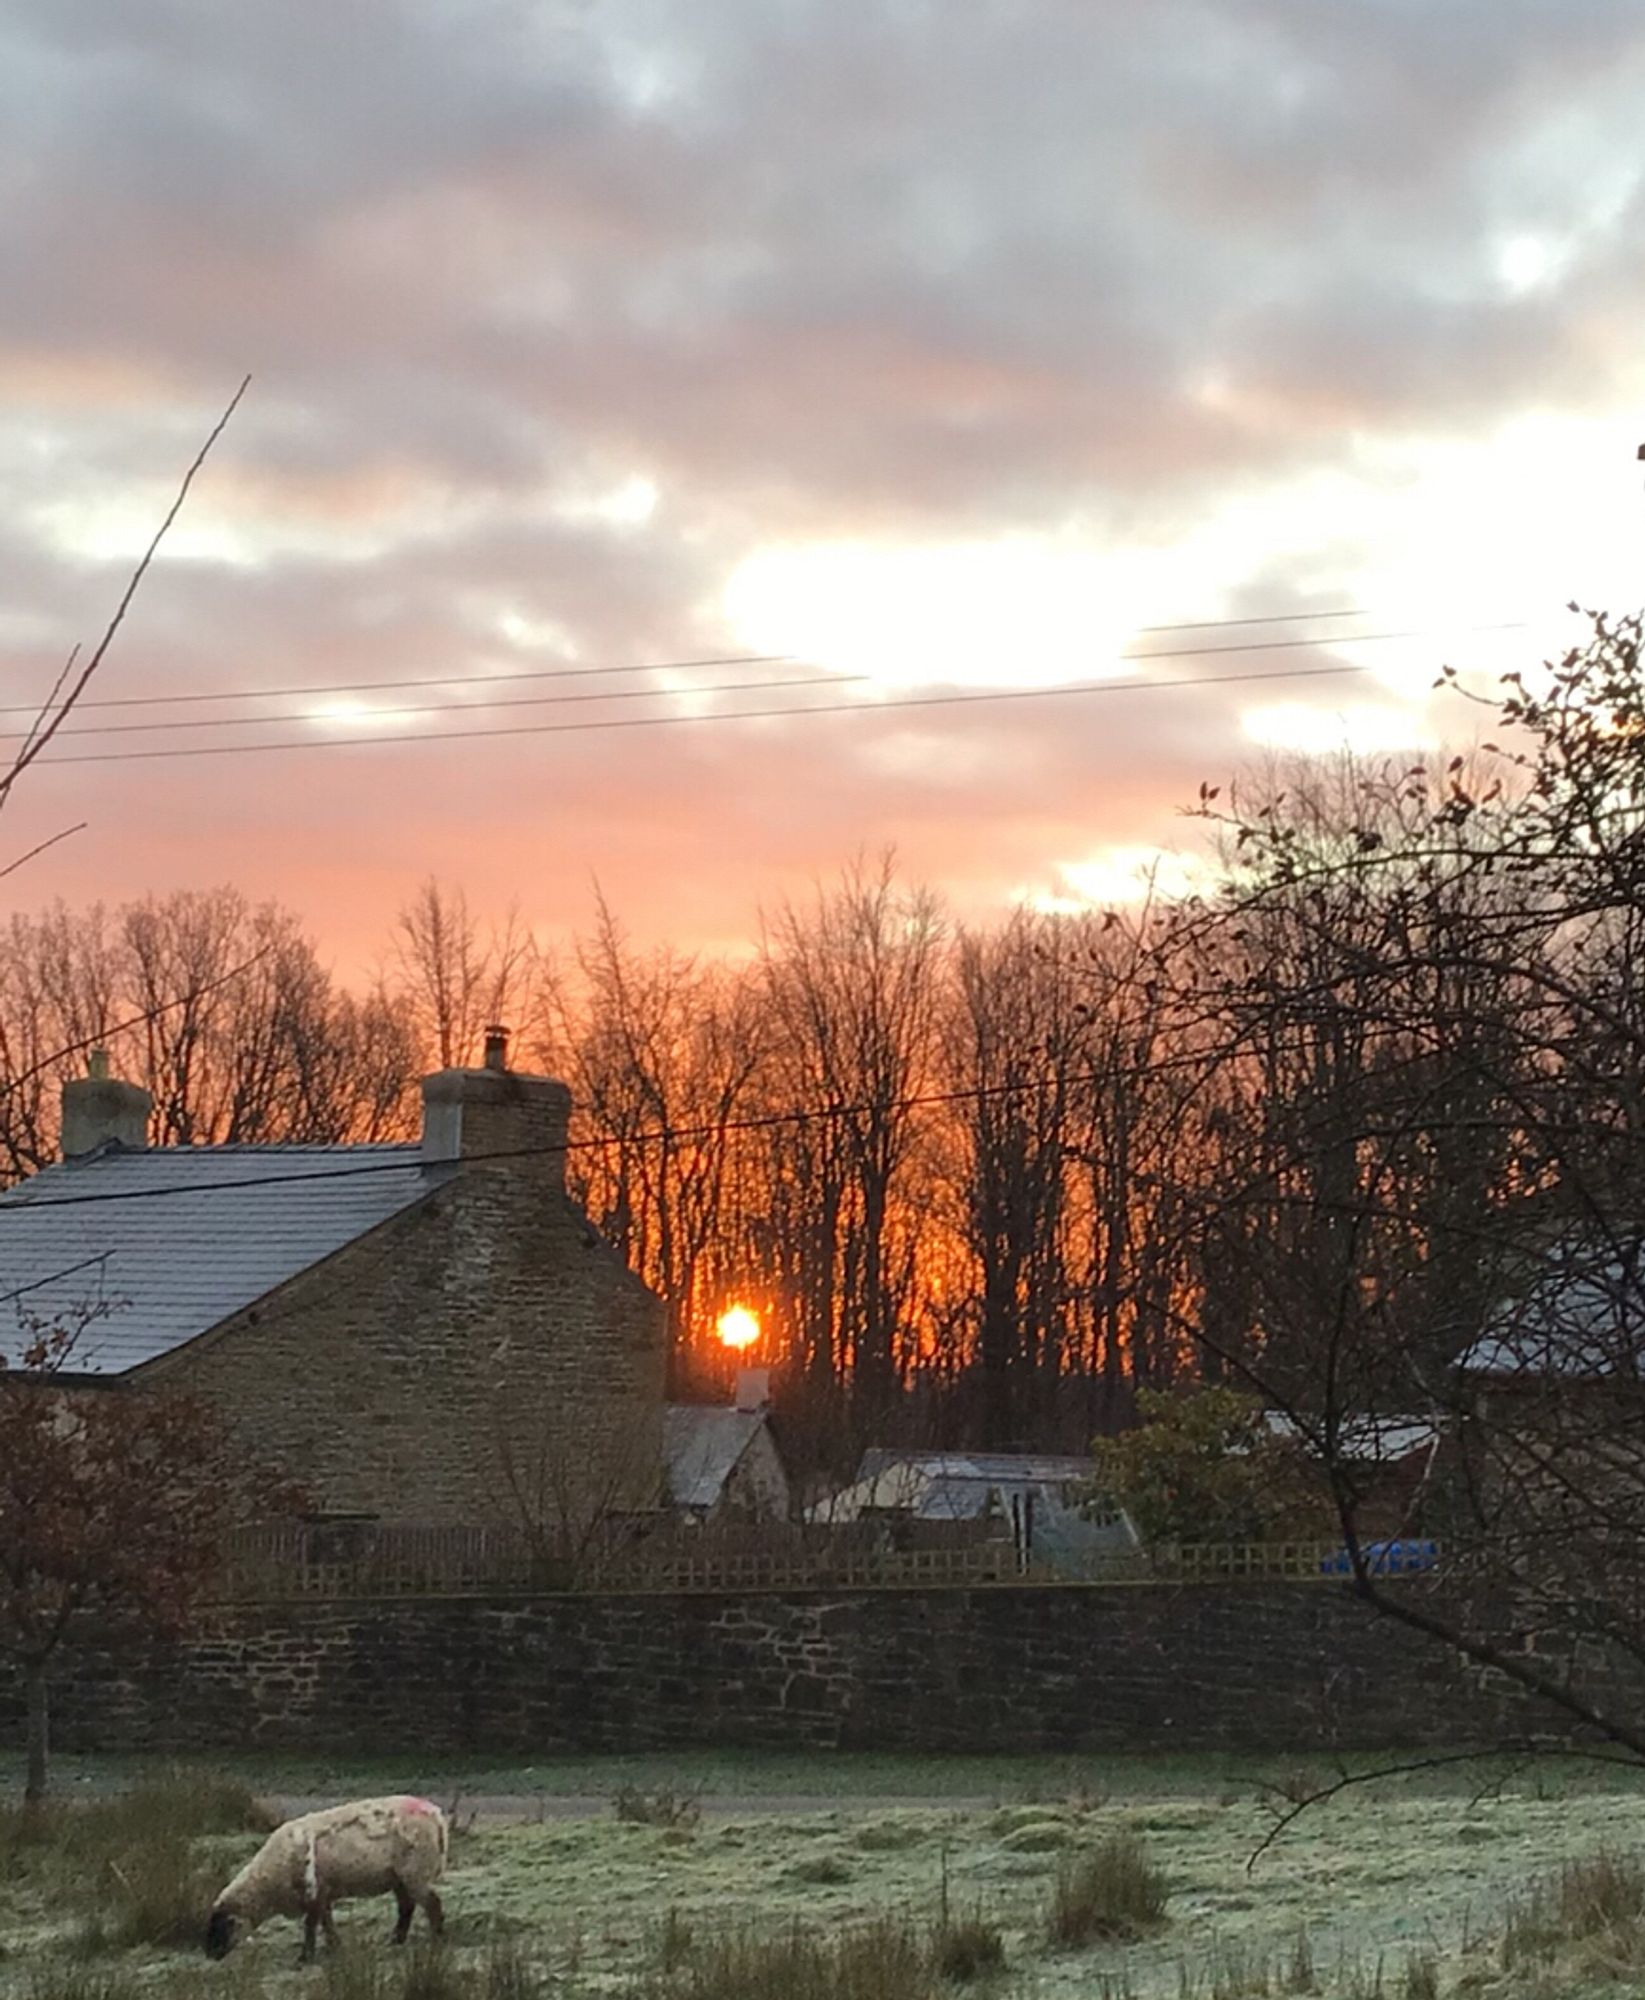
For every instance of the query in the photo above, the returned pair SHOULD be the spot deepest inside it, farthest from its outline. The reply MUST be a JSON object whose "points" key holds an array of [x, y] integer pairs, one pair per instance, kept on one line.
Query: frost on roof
{"points": [[1584, 1318], [702, 1443], [169, 1265]]}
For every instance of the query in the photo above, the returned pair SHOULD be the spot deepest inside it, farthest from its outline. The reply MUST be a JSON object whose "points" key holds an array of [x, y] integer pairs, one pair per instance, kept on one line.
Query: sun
{"points": [[737, 1327]]}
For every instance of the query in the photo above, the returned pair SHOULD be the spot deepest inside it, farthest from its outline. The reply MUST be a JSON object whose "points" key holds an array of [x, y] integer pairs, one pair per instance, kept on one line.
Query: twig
{"points": [[40, 847], [1345, 1780], [1517, 1755], [44, 710], [46, 726]]}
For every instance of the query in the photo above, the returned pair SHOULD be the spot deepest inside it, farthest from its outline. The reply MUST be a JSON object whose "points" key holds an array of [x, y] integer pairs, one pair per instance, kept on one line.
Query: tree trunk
{"points": [[34, 1684]]}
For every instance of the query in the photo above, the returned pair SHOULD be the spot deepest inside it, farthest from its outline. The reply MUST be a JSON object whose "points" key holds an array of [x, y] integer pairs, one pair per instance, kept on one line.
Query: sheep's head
{"points": [[224, 1932]]}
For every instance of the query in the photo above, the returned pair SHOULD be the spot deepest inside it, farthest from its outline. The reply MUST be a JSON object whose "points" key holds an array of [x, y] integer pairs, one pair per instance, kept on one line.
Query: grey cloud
{"points": [[910, 267]]}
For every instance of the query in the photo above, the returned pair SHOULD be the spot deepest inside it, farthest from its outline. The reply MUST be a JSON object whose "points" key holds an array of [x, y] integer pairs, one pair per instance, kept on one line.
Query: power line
{"points": [[671, 1134], [453, 679], [574, 673], [463, 707], [73, 1270], [1068, 691], [625, 694], [765, 1122]]}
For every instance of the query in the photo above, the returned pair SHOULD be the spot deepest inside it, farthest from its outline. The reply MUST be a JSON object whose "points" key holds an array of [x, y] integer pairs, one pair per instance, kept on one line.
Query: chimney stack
{"points": [[99, 1110], [753, 1390], [497, 1118]]}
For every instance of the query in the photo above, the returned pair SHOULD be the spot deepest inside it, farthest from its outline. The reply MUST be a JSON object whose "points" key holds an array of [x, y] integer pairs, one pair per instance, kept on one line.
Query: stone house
{"points": [[429, 1332], [723, 1461]]}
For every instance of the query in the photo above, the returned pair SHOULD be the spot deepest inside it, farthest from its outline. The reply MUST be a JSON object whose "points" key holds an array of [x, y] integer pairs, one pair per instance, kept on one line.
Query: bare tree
{"points": [[457, 978], [222, 1009], [852, 987], [1015, 1035], [662, 1054]]}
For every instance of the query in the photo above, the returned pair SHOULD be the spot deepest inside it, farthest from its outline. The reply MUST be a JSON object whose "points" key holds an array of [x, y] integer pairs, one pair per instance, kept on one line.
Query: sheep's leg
{"points": [[330, 1928], [408, 1909], [311, 1923], [433, 1911]]}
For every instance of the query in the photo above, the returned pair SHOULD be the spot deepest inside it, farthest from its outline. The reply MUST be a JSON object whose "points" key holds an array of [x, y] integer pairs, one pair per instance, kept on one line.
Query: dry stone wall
{"points": [[1275, 1667]]}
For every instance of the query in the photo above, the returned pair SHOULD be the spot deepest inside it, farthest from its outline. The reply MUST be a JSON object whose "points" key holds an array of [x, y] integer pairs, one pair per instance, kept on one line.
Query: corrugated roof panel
{"points": [[1013, 1468], [172, 1246]]}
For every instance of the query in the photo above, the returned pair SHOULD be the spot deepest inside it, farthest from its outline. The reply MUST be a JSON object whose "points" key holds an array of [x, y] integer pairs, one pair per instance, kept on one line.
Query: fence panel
{"points": [[364, 1559]]}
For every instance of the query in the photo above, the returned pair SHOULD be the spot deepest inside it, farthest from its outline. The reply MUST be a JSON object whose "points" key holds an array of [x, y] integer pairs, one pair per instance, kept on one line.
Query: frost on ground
{"points": [[606, 1904]]}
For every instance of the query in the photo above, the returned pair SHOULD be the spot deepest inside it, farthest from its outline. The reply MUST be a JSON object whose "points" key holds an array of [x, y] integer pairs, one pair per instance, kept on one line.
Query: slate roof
{"points": [[176, 1245], [702, 1443], [1585, 1319]]}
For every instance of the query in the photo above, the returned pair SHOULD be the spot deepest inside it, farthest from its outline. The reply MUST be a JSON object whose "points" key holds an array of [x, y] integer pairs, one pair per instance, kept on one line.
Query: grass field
{"points": [[841, 1878]]}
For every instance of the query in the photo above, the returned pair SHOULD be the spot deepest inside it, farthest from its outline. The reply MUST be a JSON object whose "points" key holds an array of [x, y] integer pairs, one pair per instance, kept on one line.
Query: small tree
{"points": [[111, 1505], [1204, 1467]]}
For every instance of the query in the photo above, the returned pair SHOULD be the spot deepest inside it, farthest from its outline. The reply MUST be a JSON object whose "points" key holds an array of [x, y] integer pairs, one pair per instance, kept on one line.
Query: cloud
{"points": [[563, 317]]}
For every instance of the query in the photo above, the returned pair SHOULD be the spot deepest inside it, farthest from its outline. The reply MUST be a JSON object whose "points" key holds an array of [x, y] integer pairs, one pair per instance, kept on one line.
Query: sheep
{"points": [[366, 1848]]}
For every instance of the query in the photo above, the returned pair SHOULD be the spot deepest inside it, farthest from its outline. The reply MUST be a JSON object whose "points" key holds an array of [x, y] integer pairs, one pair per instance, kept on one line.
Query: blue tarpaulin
{"points": [[1384, 1558]]}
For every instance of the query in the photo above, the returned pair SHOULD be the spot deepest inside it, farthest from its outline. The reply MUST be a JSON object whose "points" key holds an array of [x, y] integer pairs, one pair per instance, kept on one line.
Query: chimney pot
{"points": [[496, 1056]]}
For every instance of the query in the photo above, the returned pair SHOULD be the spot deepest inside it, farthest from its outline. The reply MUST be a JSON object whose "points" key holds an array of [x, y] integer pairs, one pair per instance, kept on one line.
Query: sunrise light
{"points": [[738, 1328], [1011, 612]]}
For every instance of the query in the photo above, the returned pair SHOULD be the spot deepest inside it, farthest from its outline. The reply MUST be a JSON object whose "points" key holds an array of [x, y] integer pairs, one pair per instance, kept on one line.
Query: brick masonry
{"points": [[1275, 1667]]}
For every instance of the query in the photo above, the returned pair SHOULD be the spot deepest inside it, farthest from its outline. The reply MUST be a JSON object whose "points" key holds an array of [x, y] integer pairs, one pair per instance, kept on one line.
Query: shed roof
{"points": [[948, 1486], [702, 1443], [1375, 1440], [1584, 1319], [174, 1240]]}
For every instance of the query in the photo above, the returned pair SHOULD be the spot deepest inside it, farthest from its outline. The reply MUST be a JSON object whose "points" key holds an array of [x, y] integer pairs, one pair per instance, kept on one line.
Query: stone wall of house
{"points": [[482, 1356], [758, 1487], [1277, 1667]]}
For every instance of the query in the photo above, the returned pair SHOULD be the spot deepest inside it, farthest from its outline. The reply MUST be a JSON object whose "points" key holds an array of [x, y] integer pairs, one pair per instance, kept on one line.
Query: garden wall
{"points": [[1271, 1666]]}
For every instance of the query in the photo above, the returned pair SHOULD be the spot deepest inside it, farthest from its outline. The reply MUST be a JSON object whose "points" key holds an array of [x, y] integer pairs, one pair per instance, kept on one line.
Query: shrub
{"points": [[61, 1982], [1421, 1980], [429, 1972], [677, 1810], [1204, 1467], [880, 1961], [968, 1949], [129, 1862], [825, 1871], [156, 1894], [506, 1975], [1111, 1891], [1600, 1895], [675, 1939]]}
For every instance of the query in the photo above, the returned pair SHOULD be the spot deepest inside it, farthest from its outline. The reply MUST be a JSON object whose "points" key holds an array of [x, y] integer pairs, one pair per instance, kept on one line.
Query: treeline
{"points": [[936, 1162], [982, 1185]]}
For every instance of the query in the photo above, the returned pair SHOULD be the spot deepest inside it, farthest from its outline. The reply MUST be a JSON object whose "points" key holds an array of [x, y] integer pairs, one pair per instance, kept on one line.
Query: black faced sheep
{"points": [[370, 1848]]}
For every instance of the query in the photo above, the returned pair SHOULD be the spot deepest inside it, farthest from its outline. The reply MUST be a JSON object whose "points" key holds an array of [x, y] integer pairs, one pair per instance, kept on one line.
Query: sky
{"points": [[937, 347]]}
